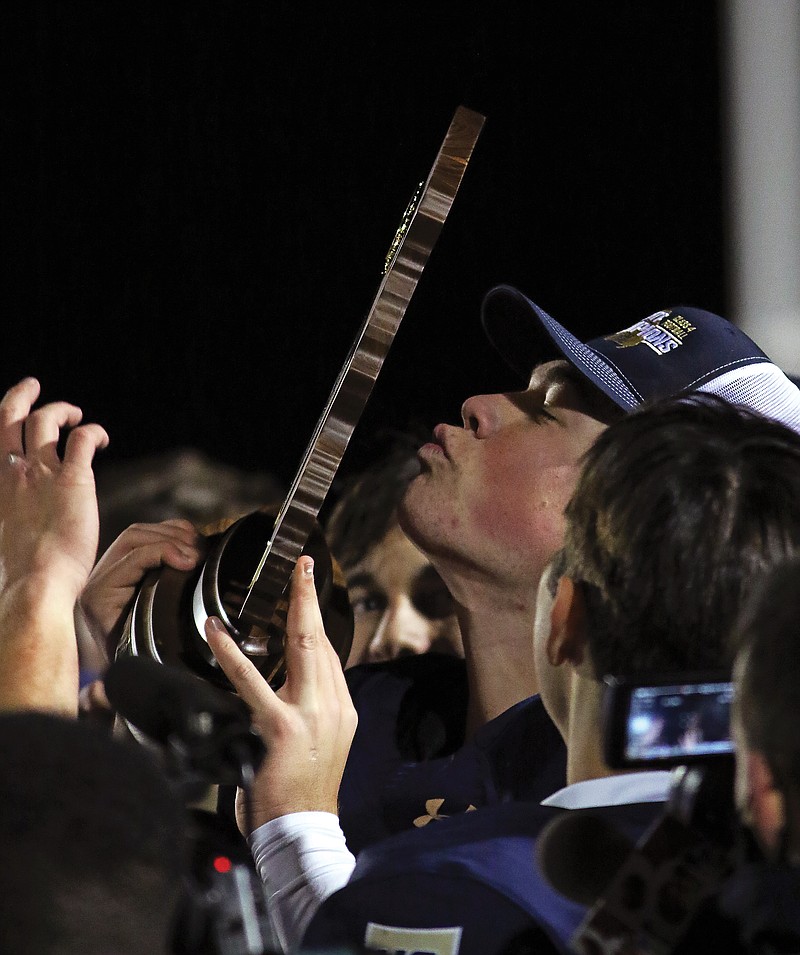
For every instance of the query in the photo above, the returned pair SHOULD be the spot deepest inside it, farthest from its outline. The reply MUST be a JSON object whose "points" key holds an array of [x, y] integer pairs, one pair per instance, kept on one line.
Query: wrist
{"points": [[38, 648], [263, 812], [39, 598], [56, 572]]}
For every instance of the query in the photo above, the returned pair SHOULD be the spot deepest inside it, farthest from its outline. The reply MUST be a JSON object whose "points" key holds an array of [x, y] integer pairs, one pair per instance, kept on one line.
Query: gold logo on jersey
{"points": [[432, 807], [662, 332]]}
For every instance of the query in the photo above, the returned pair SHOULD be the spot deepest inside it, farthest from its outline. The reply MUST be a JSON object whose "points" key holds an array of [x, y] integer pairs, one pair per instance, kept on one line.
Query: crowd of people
{"points": [[633, 512]]}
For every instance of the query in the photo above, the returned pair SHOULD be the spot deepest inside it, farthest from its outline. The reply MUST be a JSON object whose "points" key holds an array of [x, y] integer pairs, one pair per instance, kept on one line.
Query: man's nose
{"points": [[484, 414], [402, 631]]}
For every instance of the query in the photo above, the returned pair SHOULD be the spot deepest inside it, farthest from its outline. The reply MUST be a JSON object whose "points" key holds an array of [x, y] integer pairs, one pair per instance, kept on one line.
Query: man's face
{"points": [[491, 495], [400, 604]]}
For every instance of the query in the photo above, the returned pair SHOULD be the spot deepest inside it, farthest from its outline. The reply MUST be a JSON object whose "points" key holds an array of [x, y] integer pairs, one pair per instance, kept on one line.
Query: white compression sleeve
{"points": [[302, 858]]}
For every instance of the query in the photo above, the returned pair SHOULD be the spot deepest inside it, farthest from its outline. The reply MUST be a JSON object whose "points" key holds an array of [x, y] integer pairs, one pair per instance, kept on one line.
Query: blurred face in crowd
{"points": [[400, 604], [490, 499]]}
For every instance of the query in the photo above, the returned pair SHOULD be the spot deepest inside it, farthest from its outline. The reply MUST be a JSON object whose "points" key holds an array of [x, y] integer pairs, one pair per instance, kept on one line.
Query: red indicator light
{"points": [[222, 864]]}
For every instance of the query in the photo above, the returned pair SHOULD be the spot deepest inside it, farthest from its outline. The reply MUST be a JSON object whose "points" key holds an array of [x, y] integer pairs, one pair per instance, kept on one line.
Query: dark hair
{"points": [[367, 505], [92, 842], [768, 672], [679, 508]]}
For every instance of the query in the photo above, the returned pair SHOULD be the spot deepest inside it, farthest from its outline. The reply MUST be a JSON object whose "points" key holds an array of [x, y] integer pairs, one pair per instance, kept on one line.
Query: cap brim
{"points": [[513, 326], [525, 336]]}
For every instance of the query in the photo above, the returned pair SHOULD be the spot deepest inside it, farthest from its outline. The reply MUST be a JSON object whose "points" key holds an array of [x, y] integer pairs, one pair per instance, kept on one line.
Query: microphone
{"points": [[579, 853], [208, 729]]}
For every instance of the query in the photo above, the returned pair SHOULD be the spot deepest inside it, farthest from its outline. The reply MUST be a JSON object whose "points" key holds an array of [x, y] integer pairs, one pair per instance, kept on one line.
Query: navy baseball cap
{"points": [[672, 351]]}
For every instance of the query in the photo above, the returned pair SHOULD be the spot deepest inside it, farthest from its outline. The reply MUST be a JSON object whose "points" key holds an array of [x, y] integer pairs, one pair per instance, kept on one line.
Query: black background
{"points": [[198, 197]]}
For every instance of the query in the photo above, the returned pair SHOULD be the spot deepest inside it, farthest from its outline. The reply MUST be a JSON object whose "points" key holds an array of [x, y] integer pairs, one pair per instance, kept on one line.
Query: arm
{"points": [[302, 859], [307, 726], [48, 541]]}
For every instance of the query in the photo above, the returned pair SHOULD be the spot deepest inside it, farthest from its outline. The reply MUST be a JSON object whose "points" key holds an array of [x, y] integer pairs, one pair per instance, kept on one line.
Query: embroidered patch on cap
{"points": [[662, 332]]}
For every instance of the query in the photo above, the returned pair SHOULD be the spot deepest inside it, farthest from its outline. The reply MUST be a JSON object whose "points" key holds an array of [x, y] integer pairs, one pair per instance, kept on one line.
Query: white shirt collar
{"points": [[650, 786]]}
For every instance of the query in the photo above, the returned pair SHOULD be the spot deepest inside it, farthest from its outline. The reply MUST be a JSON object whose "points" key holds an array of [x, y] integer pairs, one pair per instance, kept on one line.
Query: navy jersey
{"points": [[409, 765], [467, 886]]}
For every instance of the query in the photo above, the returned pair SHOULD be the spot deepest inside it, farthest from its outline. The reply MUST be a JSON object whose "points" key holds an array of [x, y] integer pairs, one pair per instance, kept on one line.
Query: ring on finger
{"points": [[14, 459]]}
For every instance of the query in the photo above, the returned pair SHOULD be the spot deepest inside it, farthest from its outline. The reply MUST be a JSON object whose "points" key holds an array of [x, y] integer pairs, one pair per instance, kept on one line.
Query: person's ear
{"points": [[766, 805], [566, 642]]}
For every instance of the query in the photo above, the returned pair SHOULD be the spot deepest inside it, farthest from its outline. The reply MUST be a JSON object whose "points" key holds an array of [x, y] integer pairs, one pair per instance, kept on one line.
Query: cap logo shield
{"points": [[661, 332]]}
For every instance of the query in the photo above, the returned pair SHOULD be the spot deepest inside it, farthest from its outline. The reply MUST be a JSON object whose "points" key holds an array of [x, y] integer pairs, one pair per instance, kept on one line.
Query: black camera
{"points": [[666, 722], [664, 886]]}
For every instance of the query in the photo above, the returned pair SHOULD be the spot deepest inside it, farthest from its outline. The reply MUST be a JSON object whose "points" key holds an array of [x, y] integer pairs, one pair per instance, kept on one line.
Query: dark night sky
{"points": [[198, 197]]}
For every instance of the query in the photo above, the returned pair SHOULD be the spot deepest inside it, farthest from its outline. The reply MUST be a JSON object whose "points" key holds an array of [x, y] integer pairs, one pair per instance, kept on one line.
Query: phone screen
{"points": [[682, 720]]}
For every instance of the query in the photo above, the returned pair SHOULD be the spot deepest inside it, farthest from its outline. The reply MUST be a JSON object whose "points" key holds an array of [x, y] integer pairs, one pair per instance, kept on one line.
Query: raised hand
{"points": [[308, 724], [48, 543], [48, 506]]}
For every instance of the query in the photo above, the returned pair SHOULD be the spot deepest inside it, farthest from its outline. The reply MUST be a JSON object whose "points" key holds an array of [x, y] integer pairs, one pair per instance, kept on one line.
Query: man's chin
{"points": [[406, 511], [412, 514]]}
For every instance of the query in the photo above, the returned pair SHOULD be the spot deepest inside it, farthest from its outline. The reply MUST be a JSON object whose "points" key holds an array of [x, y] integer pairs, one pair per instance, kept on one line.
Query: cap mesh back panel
{"points": [[762, 388]]}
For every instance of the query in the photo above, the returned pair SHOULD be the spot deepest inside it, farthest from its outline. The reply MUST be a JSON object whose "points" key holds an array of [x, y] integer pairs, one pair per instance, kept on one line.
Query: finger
{"points": [[178, 531], [132, 566], [182, 533], [184, 529], [82, 443], [177, 546], [305, 636], [43, 426], [247, 681], [337, 677], [14, 409], [155, 555]]}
